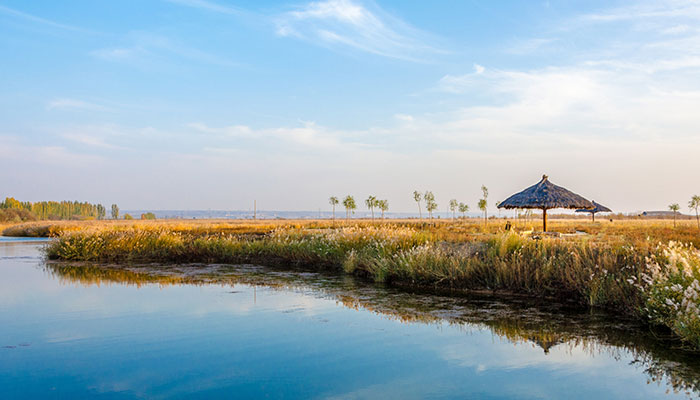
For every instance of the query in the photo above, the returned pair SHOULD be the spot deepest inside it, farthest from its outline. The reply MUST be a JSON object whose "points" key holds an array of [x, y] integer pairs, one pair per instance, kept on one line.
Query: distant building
{"points": [[661, 214]]}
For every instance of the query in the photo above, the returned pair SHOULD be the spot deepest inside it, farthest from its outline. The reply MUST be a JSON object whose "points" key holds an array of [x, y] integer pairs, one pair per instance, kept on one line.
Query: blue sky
{"points": [[194, 104]]}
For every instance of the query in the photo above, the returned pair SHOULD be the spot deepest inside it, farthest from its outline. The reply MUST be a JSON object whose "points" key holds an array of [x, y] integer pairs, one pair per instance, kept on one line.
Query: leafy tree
{"points": [[482, 207], [417, 196], [694, 204], [483, 203], [55, 209], [128, 216], [674, 207], [454, 205], [101, 211], [16, 215], [148, 215], [371, 202], [430, 204], [115, 211], [350, 206], [333, 201], [383, 205], [463, 208]]}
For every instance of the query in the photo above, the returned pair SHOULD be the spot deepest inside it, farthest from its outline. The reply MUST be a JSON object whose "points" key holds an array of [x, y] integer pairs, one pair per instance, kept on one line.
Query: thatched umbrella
{"points": [[546, 195], [598, 208]]}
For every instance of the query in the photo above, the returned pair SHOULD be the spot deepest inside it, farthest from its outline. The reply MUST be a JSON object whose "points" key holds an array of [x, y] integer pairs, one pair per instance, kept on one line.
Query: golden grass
{"points": [[461, 230]]}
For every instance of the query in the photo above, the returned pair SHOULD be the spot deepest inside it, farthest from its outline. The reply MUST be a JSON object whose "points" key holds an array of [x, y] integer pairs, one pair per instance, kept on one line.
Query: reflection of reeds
{"points": [[520, 321]]}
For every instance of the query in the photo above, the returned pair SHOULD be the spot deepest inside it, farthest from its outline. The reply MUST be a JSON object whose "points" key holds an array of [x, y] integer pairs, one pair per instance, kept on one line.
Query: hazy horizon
{"points": [[197, 104]]}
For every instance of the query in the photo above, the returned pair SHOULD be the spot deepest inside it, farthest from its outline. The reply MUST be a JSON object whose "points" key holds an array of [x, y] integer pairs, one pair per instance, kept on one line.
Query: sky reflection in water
{"points": [[68, 331]]}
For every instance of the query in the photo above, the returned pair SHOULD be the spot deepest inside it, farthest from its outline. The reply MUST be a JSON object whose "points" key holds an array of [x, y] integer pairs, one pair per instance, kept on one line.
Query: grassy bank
{"points": [[646, 279], [631, 230]]}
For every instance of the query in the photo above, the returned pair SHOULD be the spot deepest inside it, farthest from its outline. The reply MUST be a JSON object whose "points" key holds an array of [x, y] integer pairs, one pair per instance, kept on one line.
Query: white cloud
{"points": [[527, 46], [649, 10], [13, 151], [232, 131], [145, 46], [344, 23], [309, 135], [207, 6], [38, 20], [74, 104], [119, 53], [89, 140]]}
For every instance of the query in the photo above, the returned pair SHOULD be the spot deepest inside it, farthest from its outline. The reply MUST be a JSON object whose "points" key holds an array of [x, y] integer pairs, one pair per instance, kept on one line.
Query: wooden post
{"points": [[593, 215], [255, 209], [544, 220]]}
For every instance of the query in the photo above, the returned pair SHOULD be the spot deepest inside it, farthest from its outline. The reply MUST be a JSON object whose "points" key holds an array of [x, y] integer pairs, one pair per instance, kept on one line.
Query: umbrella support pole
{"points": [[544, 220]]}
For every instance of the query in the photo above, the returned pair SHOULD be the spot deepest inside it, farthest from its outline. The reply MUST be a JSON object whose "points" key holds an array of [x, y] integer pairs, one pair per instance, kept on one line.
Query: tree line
{"points": [[12, 209]]}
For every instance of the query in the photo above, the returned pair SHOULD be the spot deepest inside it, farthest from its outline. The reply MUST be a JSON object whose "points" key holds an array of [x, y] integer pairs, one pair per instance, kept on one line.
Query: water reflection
{"points": [[518, 320]]}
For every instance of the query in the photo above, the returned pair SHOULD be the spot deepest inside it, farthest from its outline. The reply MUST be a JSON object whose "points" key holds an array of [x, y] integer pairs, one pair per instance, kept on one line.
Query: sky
{"points": [[199, 104]]}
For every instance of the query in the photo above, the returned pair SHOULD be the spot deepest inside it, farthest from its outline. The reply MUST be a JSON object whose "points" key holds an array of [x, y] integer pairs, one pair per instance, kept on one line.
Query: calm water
{"points": [[76, 331]]}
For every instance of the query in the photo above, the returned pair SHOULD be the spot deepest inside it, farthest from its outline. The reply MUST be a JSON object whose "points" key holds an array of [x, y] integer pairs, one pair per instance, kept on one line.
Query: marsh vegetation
{"points": [[640, 269]]}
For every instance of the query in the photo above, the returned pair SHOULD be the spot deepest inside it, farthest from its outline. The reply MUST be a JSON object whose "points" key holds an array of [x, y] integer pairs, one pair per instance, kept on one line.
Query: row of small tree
{"points": [[428, 198], [350, 205], [693, 204], [431, 205]]}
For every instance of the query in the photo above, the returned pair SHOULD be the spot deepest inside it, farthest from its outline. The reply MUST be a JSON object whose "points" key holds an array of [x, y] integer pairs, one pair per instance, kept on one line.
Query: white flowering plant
{"points": [[671, 285]]}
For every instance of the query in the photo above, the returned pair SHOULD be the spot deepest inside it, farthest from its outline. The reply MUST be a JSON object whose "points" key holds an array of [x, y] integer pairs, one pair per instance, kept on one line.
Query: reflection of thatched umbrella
{"points": [[545, 341], [598, 208], [546, 195]]}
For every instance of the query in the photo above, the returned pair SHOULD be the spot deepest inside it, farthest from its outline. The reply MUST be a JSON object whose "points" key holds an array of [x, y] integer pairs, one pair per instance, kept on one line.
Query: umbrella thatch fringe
{"points": [[546, 195], [598, 208]]}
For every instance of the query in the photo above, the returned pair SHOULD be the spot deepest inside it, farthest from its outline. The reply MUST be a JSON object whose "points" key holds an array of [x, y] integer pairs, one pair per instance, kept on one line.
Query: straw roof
{"points": [[598, 208], [545, 195]]}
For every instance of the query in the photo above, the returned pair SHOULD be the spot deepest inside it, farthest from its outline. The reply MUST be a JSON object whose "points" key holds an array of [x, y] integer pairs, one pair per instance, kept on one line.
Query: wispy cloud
{"points": [[120, 53], [89, 140], [527, 46], [12, 149], [74, 104], [38, 20], [649, 9], [346, 24], [145, 46], [207, 6], [309, 135]]}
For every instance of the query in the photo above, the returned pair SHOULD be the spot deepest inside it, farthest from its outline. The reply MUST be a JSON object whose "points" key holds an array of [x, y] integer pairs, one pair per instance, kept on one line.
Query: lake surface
{"points": [[217, 331]]}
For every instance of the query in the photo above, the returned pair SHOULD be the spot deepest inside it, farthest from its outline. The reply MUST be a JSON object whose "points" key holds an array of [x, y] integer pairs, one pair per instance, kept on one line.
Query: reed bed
{"points": [[656, 281], [629, 230]]}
